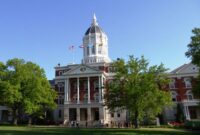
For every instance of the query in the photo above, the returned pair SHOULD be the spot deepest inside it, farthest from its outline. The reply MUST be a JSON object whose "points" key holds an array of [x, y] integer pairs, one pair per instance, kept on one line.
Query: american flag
{"points": [[81, 46]]}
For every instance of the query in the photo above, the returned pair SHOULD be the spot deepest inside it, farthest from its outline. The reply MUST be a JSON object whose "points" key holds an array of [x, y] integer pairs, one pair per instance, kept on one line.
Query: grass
{"points": [[39, 130]]}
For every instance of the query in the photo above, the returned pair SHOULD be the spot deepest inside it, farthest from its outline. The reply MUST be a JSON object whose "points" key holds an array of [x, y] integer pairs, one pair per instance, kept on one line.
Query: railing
{"points": [[193, 100], [83, 102]]}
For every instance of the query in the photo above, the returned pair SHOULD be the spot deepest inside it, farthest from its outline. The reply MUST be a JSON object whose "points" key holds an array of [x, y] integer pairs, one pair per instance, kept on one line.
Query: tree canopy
{"points": [[194, 47], [24, 88], [194, 54], [138, 88]]}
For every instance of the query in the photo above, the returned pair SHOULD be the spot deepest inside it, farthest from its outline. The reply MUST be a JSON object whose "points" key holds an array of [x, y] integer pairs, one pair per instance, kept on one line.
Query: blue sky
{"points": [[42, 30]]}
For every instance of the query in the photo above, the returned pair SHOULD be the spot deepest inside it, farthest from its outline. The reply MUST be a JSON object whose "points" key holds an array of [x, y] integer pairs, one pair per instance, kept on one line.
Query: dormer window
{"points": [[188, 83], [172, 84]]}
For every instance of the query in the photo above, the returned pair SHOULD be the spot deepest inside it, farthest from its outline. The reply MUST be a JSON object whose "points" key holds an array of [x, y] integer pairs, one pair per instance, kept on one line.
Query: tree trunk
{"points": [[15, 116], [136, 120], [29, 121]]}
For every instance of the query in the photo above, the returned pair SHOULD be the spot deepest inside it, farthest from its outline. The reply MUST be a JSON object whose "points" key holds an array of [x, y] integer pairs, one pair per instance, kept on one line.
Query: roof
{"points": [[186, 69], [94, 29]]}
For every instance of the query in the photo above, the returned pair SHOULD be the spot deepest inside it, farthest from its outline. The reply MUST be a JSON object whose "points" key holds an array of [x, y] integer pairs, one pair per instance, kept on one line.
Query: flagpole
{"points": [[73, 56]]}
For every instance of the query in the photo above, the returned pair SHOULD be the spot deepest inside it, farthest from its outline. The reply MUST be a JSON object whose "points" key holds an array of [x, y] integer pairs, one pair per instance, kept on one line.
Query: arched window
{"points": [[60, 87], [60, 73], [172, 84], [187, 82], [189, 95], [174, 96], [96, 97]]}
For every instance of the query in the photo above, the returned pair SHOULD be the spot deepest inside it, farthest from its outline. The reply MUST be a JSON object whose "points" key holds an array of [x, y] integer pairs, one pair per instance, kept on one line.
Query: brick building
{"points": [[181, 82]]}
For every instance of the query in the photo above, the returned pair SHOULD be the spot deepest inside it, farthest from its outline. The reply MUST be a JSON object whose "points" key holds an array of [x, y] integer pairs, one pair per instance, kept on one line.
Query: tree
{"points": [[25, 89], [194, 47], [138, 88], [194, 54]]}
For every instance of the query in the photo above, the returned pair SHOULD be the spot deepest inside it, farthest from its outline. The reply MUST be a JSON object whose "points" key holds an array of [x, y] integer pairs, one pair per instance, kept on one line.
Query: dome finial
{"points": [[94, 21]]}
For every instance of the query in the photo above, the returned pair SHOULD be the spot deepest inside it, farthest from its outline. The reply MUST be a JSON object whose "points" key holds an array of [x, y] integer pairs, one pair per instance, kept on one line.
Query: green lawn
{"points": [[12, 130]]}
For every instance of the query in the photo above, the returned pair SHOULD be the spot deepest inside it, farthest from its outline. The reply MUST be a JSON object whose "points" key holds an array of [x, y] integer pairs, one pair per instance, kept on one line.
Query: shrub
{"points": [[192, 125]]}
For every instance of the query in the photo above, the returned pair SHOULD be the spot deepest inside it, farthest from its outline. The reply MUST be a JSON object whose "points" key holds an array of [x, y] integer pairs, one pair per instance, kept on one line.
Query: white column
{"points": [[66, 116], [88, 89], [188, 113], [78, 97], [66, 91], [69, 90], [89, 115], [78, 114], [100, 88], [185, 112], [101, 114]]}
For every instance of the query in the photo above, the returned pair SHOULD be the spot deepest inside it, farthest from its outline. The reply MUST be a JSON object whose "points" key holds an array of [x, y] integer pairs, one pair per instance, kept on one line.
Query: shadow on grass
{"points": [[76, 131]]}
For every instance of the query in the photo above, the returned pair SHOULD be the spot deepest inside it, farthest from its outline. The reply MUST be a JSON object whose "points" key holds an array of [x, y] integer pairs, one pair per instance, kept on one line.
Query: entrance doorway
{"points": [[72, 114], [83, 114], [95, 114]]}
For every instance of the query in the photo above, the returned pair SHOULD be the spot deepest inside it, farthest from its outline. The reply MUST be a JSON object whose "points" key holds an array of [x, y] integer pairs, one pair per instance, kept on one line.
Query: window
{"points": [[96, 85], [96, 97], [174, 96], [59, 113], [187, 82], [60, 73], [172, 84], [100, 50], [118, 115], [189, 95], [60, 100], [112, 115], [93, 49], [88, 50], [60, 87]]}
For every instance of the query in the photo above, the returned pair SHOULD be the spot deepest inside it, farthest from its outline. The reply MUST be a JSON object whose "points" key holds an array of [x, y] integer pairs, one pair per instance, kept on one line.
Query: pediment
{"points": [[186, 69], [82, 69]]}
